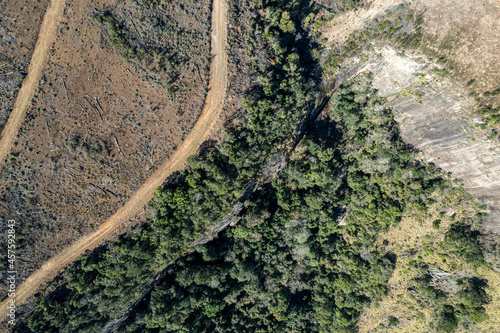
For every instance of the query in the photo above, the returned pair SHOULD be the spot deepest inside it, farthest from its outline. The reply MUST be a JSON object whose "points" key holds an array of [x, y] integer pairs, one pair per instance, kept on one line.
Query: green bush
{"points": [[93, 149], [491, 250], [447, 322], [463, 242]]}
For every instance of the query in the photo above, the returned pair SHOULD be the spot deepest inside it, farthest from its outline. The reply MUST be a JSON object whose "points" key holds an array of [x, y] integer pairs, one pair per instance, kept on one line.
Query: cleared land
{"points": [[211, 110], [46, 36], [98, 125]]}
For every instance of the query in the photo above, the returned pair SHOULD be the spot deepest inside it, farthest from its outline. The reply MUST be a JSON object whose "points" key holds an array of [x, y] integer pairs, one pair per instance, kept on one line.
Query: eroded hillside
{"points": [[435, 64]]}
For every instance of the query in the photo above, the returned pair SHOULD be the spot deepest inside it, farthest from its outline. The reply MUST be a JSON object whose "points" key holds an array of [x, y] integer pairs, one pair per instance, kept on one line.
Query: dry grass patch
{"points": [[416, 241]]}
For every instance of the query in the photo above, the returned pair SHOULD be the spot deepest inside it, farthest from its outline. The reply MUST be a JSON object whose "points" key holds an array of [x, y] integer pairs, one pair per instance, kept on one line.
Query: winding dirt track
{"points": [[206, 121], [46, 37]]}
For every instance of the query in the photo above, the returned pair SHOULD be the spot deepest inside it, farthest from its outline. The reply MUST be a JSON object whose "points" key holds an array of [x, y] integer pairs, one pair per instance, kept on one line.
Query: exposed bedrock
{"points": [[451, 142], [439, 123]]}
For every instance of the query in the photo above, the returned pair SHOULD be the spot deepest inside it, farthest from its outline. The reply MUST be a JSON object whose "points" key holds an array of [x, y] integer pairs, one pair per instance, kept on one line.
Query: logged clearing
{"points": [[202, 128], [135, 113], [46, 37]]}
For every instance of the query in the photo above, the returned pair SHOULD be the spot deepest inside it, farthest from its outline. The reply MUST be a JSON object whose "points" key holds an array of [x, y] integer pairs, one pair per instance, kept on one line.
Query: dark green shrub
{"points": [[463, 242], [436, 224], [447, 322]]}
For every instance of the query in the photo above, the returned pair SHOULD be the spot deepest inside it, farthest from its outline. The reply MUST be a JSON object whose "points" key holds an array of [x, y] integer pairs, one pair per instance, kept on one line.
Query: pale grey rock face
{"points": [[447, 137], [439, 124]]}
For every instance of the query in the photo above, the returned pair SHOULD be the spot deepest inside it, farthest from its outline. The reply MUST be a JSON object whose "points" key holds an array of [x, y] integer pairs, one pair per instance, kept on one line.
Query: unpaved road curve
{"points": [[211, 111], [46, 37]]}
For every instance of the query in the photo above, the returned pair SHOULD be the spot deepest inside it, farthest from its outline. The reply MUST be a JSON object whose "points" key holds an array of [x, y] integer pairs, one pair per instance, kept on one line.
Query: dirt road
{"points": [[211, 111], [46, 37]]}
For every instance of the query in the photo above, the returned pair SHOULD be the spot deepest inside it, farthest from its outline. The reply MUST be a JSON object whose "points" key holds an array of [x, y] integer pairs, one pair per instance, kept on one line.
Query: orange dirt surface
{"points": [[46, 36], [19, 27], [212, 107]]}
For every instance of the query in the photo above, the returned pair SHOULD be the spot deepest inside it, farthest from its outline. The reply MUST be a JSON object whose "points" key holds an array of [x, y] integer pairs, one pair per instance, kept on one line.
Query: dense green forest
{"points": [[304, 255]]}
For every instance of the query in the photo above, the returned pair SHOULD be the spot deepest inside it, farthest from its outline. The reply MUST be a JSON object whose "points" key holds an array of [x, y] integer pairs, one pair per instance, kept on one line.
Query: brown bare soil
{"points": [[19, 27], [23, 100], [338, 29], [467, 35], [121, 219], [25, 94], [124, 124], [58, 193]]}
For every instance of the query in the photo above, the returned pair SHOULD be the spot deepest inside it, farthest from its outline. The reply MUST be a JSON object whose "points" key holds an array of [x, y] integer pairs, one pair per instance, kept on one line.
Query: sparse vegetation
{"points": [[11, 77], [119, 39], [93, 149], [169, 40], [401, 28], [490, 114]]}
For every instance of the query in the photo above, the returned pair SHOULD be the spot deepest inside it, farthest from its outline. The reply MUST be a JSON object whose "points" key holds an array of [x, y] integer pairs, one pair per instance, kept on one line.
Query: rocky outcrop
{"points": [[446, 135], [435, 119]]}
